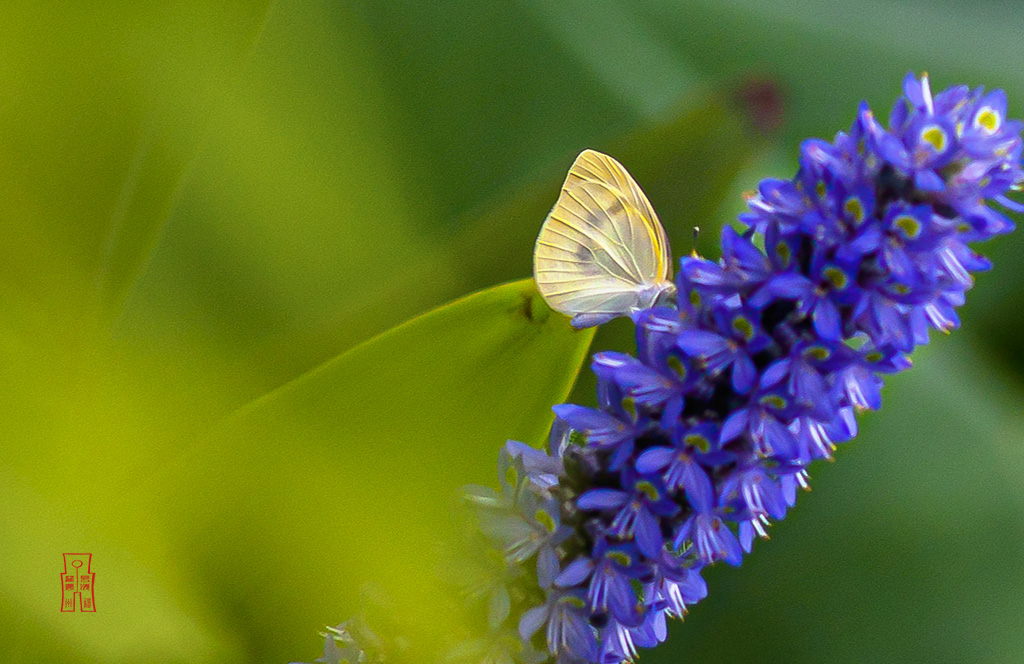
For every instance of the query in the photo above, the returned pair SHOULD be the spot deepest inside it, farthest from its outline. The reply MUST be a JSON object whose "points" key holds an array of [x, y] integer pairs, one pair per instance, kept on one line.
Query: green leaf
{"points": [[346, 476]]}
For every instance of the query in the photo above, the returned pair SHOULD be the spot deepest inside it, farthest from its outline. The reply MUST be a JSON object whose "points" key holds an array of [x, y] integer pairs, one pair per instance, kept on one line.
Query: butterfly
{"points": [[601, 251]]}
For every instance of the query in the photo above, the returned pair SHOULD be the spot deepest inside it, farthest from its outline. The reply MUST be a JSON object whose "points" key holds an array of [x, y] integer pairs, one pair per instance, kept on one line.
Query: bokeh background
{"points": [[203, 202]]}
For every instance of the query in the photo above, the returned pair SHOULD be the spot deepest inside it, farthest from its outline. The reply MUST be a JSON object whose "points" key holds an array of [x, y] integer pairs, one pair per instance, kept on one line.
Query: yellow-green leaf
{"points": [[347, 475]]}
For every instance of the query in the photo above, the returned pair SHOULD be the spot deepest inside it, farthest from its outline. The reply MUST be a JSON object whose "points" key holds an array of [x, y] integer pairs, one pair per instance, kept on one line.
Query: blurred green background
{"points": [[203, 202]]}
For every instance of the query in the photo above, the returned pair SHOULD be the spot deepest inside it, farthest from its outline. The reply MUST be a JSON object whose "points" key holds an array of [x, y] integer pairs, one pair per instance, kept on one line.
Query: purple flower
{"points": [[679, 465], [638, 509], [570, 636]]}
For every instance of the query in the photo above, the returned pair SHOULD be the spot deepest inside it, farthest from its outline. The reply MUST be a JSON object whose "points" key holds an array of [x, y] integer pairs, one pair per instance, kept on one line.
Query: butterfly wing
{"points": [[594, 166], [601, 251]]}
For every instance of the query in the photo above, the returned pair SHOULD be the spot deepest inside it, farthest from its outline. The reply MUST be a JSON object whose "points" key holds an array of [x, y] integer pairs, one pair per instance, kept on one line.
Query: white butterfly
{"points": [[601, 252]]}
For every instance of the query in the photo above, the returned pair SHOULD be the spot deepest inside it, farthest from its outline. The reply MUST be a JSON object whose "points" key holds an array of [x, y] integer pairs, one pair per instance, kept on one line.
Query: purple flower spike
{"points": [[702, 440]]}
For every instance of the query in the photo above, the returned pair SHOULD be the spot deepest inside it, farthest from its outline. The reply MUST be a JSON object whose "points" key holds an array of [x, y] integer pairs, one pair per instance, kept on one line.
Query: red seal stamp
{"points": [[77, 582]]}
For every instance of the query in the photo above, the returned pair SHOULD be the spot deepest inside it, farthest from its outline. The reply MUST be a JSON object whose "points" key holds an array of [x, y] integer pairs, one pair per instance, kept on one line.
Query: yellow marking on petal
{"points": [[988, 119], [855, 208], [743, 326], [698, 441], [648, 490], [573, 601], [619, 557], [909, 226], [544, 519], [934, 136], [677, 366], [819, 353], [783, 252], [836, 277]]}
